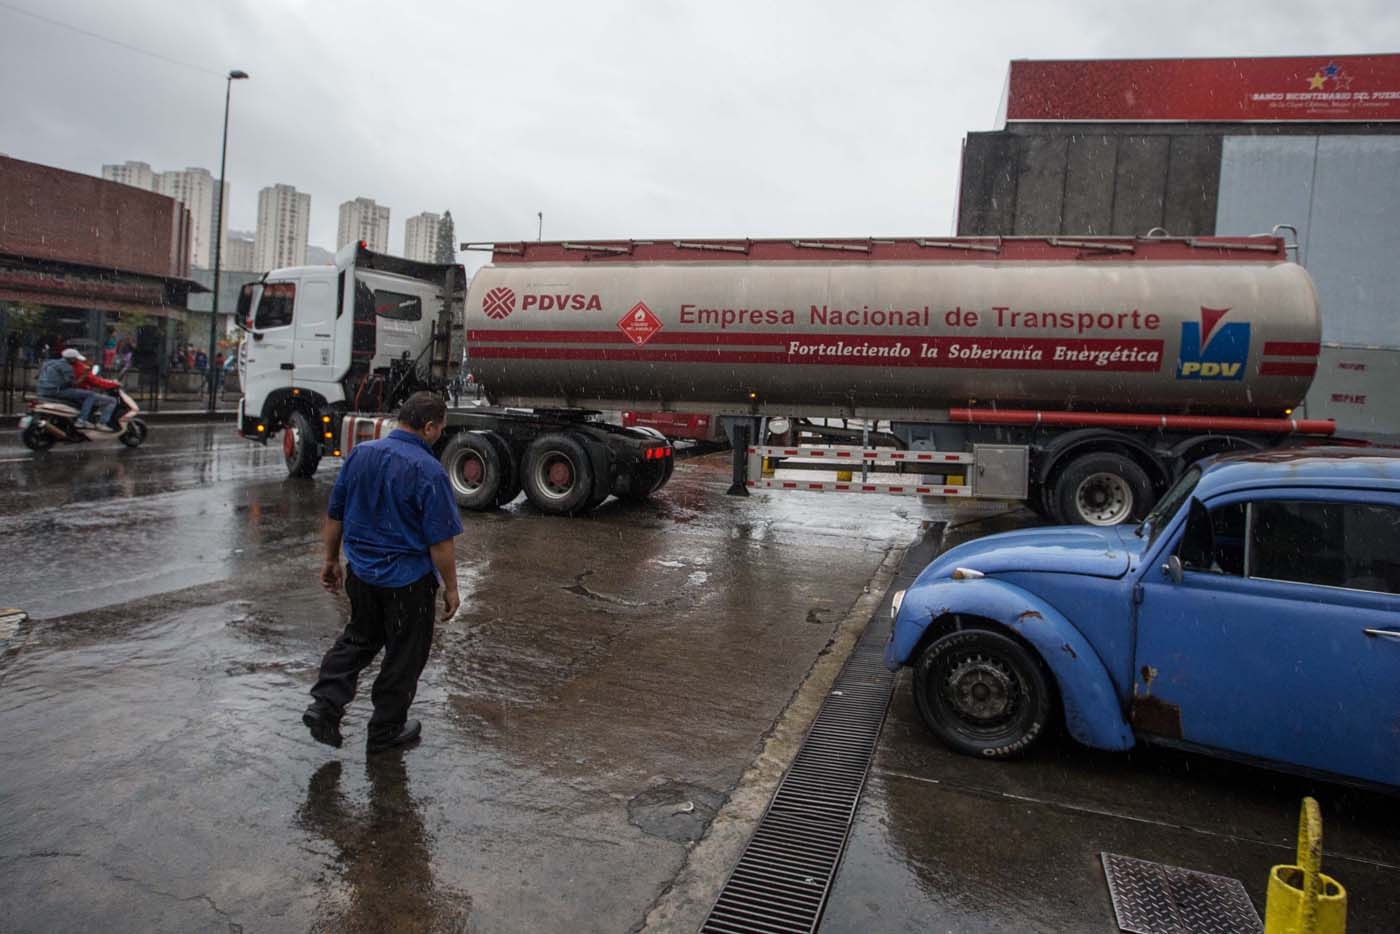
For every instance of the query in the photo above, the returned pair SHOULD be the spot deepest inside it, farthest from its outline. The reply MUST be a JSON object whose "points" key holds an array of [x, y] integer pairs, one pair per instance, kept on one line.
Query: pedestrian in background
{"points": [[393, 511]]}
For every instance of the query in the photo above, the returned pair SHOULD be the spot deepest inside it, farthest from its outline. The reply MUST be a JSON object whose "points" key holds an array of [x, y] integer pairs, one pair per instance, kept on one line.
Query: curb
{"points": [[164, 418]]}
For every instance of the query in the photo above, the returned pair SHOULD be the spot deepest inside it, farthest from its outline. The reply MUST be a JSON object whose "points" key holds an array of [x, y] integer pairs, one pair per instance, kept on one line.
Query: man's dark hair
{"points": [[421, 408]]}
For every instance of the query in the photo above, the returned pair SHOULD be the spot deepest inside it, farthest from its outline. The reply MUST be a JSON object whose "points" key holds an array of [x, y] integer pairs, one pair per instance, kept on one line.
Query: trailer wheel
{"points": [[509, 488], [1102, 488], [473, 466], [558, 475], [300, 449], [983, 694]]}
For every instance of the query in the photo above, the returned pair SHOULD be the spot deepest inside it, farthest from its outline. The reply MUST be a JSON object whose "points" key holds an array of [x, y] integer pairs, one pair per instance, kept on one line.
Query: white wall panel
{"points": [[1343, 195]]}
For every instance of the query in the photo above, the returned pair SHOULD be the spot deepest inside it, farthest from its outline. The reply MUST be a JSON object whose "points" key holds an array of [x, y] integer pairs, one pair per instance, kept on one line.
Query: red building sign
{"points": [[1310, 89]]}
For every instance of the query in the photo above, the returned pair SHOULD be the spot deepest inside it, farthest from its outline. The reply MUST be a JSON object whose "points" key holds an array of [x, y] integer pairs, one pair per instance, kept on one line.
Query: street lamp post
{"points": [[233, 76]]}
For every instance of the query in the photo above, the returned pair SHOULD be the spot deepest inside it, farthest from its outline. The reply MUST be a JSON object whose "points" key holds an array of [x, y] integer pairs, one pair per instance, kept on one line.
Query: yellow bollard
{"points": [[1301, 899], [767, 467]]}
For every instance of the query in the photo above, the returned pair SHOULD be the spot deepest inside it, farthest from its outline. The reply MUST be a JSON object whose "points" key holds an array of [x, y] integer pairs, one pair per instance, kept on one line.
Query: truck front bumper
{"points": [[250, 427]]}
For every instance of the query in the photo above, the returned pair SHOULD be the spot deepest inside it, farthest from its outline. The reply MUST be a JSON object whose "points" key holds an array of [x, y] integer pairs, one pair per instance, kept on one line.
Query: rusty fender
{"points": [[1093, 713]]}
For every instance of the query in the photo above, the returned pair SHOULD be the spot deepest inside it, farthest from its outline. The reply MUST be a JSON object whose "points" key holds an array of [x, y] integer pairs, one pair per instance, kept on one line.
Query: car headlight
{"points": [[896, 603]]}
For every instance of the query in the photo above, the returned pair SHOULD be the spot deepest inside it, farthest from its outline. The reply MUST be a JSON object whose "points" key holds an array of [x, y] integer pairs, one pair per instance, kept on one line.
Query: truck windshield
{"points": [[1168, 505]]}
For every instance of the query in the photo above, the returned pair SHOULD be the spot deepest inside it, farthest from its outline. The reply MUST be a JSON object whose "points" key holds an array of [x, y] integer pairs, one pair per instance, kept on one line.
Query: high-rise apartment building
{"points": [[362, 219], [420, 236], [239, 252], [284, 220], [135, 174], [195, 188]]}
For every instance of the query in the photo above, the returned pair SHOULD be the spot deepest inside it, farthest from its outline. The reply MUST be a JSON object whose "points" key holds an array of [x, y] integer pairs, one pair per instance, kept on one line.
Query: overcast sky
{"points": [[616, 119]]}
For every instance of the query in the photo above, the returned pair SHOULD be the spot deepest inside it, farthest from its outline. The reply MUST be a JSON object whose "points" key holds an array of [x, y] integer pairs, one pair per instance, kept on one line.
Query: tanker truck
{"points": [[1080, 375]]}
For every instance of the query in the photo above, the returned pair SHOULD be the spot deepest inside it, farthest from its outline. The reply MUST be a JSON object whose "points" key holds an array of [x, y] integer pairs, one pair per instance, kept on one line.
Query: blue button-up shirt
{"points": [[396, 501]]}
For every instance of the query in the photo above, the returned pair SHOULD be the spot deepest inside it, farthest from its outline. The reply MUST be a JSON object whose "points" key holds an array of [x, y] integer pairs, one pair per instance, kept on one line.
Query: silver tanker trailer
{"points": [[1080, 374]]}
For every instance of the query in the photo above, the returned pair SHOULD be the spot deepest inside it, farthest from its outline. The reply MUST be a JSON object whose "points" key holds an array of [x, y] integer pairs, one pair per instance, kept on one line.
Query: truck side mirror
{"points": [[1173, 569]]}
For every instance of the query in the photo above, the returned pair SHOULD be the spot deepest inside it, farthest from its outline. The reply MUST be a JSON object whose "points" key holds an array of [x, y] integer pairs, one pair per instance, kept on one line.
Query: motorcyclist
{"points": [[58, 379], [86, 379]]}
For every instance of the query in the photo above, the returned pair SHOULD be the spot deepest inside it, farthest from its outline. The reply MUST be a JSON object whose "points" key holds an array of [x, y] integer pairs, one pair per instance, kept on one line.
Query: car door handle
{"points": [[1384, 633], [289, 366]]}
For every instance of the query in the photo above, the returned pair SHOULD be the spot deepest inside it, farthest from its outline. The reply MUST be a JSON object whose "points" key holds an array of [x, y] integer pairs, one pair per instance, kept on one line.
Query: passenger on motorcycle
{"points": [[60, 379]]}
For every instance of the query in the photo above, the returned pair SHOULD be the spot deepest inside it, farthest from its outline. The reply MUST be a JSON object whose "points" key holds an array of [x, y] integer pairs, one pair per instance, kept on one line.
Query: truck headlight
{"points": [[895, 603]]}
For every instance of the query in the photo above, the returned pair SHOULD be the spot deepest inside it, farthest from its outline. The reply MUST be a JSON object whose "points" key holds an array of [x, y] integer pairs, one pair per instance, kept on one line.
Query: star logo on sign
{"points": [[1332, 70], [1317, 81]]}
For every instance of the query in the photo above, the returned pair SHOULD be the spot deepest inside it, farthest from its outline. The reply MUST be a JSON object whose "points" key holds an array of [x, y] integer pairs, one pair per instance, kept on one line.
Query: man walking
{"points": [[393, 509]]}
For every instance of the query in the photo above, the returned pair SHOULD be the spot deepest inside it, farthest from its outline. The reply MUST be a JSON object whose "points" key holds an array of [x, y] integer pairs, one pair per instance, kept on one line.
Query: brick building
{"points": [[79, 254]]}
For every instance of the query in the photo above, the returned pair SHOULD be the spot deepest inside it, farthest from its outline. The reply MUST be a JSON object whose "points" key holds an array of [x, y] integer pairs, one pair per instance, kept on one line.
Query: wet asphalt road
{"points": [[604, 687], [606, 696]]}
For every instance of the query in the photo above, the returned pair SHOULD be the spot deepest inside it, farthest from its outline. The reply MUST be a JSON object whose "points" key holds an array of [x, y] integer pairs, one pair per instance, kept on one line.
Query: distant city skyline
{"points": [[360, 218]]}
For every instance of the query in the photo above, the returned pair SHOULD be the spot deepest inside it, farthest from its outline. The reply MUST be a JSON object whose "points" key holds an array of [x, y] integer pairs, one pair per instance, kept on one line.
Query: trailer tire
{"points": [[473, 465], [558, 474], [1102, 488], [510, 470], [300, 450]]}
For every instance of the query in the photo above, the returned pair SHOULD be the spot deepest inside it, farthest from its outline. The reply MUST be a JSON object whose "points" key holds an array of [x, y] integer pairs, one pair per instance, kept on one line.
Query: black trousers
{"points": [[398, 620]]}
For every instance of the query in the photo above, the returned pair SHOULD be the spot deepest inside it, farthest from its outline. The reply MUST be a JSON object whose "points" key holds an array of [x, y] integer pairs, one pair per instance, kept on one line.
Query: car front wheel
{"points": [[983, 693]]}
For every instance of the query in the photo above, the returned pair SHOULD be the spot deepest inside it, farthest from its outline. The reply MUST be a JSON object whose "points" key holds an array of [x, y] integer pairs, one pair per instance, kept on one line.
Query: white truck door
{"points": [[268, 363], [314, 352]]}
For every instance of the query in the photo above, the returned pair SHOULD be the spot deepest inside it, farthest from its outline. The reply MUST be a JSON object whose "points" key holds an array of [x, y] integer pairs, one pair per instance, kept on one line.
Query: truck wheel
{"points": [[983, 694], [300, 449], [473, 466], [1102, 488], [558, 475], [509, 488]]}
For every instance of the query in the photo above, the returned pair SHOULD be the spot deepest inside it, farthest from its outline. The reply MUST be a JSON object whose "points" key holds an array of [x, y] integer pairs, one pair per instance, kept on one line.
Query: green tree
{"points": [[446, 251]]}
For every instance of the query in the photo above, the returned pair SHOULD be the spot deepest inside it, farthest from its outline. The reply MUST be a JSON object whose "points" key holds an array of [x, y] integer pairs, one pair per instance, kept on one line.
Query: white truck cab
{"points": [[357, 335]]}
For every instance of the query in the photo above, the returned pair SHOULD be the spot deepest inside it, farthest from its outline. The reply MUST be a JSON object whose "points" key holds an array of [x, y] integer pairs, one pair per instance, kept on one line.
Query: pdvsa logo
{"points": [[561, 301], [498, 303], [1211, 350]]}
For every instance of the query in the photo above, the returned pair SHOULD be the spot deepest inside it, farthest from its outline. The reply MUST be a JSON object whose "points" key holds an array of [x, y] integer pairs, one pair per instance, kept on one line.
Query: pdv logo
{"points": [[1210, 350], [498, 303]]}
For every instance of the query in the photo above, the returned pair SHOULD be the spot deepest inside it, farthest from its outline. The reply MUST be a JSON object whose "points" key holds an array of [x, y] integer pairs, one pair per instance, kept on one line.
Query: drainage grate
{"points": [[1151, 898], [782, 880]]}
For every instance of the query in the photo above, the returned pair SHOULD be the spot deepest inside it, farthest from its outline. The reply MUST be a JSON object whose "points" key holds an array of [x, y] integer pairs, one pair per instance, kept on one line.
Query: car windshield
{"points": [[1167, 506]]}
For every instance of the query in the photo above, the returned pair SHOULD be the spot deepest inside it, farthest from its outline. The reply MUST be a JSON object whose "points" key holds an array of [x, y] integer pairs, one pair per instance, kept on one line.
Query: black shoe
{"points": [[408, 733], [324, 725]]}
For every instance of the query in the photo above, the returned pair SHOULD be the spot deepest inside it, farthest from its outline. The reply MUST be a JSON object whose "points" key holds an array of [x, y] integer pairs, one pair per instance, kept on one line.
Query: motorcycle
{"points": [[48, 422]]}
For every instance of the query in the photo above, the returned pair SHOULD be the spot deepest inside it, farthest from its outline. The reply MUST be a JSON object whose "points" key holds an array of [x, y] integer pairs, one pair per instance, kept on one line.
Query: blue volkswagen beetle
{"points": [[1255, 614]]}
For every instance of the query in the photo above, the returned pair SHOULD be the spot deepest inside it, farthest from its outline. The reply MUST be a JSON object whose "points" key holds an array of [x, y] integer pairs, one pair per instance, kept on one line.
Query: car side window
{"points": [[275, 308], [1214, 540], [1352, 545]]}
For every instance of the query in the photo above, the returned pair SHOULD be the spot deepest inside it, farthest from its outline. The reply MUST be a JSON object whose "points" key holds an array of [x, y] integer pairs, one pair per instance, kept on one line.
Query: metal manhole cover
{"points": [[1151, 898]]}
